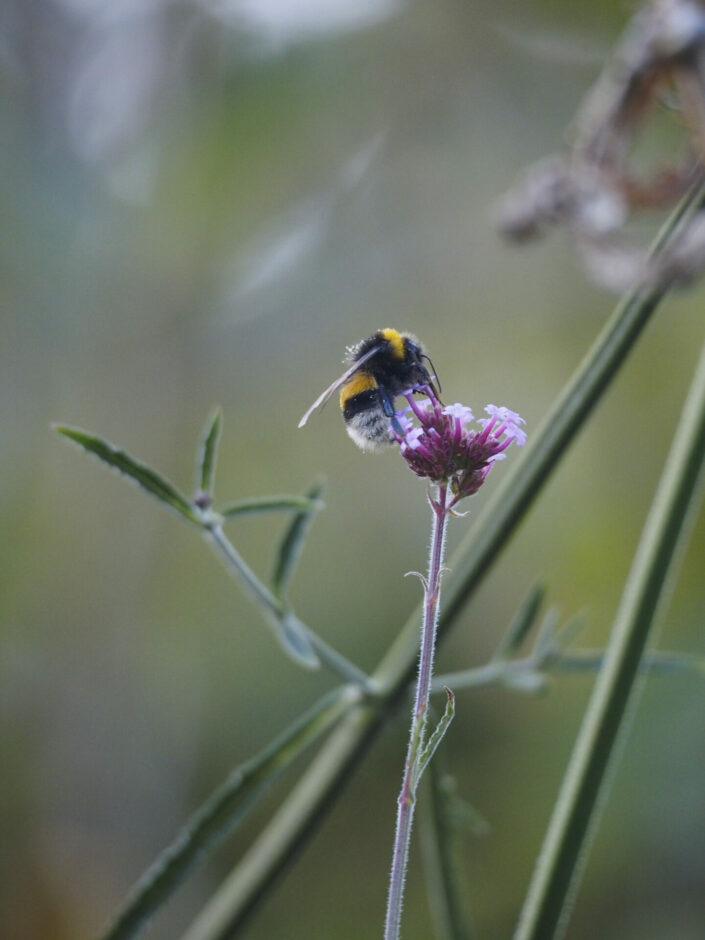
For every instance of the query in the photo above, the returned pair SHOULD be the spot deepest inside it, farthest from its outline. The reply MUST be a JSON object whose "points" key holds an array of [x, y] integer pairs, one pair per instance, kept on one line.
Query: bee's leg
{"points": [[388, 406]]}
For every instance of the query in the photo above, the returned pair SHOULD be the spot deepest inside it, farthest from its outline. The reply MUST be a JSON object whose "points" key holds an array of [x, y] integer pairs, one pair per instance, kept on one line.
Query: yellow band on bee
{"points": [[360, 382], [395, 340]]}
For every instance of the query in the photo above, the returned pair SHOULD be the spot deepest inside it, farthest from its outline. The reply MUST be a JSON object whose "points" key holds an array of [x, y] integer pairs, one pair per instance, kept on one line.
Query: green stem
{"points": [[276, 608], [241, 892], [236, 564], [223, 810], [564, 845], [495, 671], [518, 673], [658, 662], [304, 810]]}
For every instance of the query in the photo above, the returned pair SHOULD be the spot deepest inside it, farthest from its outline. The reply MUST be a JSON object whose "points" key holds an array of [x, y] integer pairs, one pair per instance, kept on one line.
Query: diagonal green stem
{"points": [[564, 845], [259, 593], [304, 810], [276, 609], [224, 809], [290, 827]]}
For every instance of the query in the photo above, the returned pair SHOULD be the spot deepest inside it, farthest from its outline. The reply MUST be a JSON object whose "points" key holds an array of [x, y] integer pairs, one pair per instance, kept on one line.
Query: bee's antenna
{"points": [[436, 384]]}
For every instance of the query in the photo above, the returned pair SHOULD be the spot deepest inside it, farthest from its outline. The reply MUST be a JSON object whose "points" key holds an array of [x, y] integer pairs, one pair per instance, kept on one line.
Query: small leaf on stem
{"points": [[150, 481], [292, 541], [546, 637], [259, 504], [458, 812], [220, 814], [570, 630], [522, 622], [208, 452], [436, 738], [293, 636], [446, 878], [417, 574]]}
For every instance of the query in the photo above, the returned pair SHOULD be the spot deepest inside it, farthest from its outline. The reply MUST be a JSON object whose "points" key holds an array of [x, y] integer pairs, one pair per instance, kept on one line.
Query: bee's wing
{"points": [[323, 398]]}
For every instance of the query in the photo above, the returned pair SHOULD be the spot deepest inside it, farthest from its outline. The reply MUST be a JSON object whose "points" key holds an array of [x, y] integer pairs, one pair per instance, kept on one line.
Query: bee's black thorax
{"points": [[397, 365]]}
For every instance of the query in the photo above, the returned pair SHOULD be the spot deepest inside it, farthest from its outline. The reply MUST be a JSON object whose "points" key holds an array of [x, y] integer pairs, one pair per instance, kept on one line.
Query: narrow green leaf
{"points": [[570, 630], [522, 622], [280, 503], [461, 814], [208, 452], [563, 854], [221, 813], [440, 839], [430, 749], [294, 637], [292, 542], [547, 633], [150, 481]]}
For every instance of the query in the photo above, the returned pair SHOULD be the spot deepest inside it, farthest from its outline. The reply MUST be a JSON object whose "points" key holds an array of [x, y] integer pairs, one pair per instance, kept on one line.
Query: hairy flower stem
{"points": [[419, 716]]}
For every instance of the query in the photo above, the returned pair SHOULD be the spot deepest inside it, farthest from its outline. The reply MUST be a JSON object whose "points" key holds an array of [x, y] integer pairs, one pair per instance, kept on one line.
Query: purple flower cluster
{"points": [[443, 446]]}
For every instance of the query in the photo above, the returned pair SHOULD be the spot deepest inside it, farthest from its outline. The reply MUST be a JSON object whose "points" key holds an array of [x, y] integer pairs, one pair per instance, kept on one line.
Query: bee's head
{"points": [[417, 357]]}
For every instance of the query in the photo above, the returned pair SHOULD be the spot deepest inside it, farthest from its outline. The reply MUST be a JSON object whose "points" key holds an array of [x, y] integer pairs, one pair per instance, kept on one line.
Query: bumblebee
{"points": [[380, 368]]}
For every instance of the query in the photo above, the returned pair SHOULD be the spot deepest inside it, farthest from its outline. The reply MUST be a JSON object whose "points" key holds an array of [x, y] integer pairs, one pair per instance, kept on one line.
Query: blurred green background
{"points": [[205, 201]]}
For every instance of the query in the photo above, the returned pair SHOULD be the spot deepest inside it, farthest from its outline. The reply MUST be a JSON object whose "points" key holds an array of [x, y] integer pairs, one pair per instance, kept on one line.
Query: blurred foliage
{"points": [[206, 203]]}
